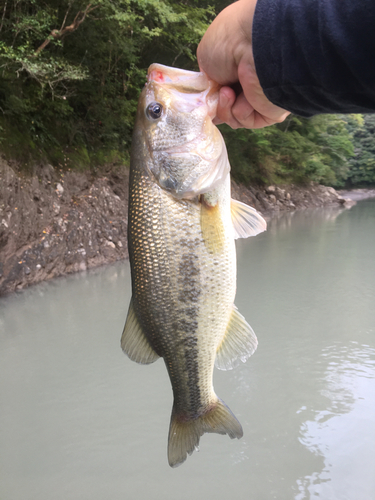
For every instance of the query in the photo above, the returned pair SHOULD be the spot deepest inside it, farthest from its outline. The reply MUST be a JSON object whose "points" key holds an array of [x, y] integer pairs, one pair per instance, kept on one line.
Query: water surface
{"points": [[78, 420]]}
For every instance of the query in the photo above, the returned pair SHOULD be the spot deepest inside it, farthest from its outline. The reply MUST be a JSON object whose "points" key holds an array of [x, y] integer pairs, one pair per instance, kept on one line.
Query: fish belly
{"points": [[183, 289]]}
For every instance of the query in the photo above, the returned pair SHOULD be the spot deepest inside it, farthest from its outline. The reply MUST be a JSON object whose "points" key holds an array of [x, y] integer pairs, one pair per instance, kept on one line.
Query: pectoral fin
{"points": [[246, 220], [212, 226], [134, 342], [238, 344]]}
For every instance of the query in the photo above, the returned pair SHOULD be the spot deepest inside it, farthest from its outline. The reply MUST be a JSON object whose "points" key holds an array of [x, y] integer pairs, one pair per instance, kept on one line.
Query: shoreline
{"points": [[55, 222], [357, 194]]}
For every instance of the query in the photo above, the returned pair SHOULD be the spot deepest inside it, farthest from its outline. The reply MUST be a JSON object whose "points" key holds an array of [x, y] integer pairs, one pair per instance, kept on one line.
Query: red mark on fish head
{"points": [[156, 76], [159, 77]]}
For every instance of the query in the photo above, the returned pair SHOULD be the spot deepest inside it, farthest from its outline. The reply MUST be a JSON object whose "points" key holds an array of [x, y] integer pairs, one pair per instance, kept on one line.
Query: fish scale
{"points": [[182, 255], [180, 275]]}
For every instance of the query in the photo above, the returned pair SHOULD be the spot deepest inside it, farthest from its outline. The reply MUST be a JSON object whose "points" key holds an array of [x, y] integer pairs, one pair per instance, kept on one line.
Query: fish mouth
{"points": [[192, 81], [206, 149], [197, 88], [199, 163], [191, 186]]}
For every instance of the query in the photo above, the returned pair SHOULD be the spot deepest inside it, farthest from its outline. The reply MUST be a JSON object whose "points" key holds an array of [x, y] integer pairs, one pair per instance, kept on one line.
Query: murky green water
{"points": [[79, 421]]}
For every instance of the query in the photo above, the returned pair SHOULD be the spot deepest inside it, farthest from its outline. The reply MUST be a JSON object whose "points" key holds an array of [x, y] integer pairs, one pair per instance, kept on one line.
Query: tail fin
{"points": [[184, 436]]}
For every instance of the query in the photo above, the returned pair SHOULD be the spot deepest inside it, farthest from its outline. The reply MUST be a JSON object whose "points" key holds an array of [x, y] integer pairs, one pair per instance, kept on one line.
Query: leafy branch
{"points": [[65, 30]]}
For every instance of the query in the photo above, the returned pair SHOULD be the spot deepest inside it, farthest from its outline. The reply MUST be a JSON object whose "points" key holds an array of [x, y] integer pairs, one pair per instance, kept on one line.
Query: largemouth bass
{"points": [[182, 227]]}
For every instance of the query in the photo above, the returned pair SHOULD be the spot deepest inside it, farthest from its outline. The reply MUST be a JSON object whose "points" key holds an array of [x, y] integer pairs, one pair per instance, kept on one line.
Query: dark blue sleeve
{"points": [[316, 56]]}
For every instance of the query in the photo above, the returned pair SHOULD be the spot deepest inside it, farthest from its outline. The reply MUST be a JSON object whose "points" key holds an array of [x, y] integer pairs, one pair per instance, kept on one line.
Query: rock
{"points": [[57, 230], [347, 202], [332, 192], [272, 198], [280, 193], [265, 205], [82, 222], [47, 172]]}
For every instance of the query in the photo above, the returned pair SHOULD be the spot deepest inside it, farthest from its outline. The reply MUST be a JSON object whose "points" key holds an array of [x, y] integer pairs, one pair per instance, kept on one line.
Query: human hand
{"points": [[225, 54]]}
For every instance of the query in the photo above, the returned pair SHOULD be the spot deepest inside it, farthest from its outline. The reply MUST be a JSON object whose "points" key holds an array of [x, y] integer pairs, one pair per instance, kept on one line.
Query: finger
{"points": [[243, 112], [248, 117], [266, 113], [227, 98], [260, 121]]}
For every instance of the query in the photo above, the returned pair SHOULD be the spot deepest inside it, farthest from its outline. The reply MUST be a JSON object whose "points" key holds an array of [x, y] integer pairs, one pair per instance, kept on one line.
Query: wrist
{"points": [[227, 41], [243, 50]]}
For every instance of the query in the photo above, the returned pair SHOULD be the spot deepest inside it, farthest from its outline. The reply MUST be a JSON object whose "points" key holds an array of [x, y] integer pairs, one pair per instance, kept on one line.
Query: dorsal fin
{"points": [[246, 220], [238, 343], [134, 342]]}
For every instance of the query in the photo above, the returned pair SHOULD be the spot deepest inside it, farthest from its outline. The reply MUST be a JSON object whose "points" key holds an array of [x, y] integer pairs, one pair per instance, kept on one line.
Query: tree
{"points": [[362, 165], [296, 151], [72, 70]]}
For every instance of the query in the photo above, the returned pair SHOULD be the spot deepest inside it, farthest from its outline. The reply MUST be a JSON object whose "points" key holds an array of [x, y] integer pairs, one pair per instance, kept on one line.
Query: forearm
{"points": [[316, 56]]}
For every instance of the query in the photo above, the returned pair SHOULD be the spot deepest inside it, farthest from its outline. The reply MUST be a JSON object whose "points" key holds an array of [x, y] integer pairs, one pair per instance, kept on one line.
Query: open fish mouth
{"points": [[188, 152], [197, 88], [178, 78]]}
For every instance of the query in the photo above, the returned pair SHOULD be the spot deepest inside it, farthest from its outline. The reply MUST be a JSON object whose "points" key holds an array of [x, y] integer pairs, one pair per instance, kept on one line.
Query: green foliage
{"points": [[362, 165], [71, 73], [296, 151]]}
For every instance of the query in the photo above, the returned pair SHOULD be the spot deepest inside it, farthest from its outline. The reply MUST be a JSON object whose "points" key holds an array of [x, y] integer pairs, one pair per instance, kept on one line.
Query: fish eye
{"points": [[154, 110]]}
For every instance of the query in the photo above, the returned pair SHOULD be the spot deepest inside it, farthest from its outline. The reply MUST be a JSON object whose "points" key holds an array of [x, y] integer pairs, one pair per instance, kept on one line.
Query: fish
{"points": [[182, 226]]}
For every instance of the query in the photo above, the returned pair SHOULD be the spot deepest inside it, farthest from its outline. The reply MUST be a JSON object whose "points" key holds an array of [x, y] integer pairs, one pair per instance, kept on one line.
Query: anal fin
{"points": [[238, 343], [246, 220], [134, 342]]}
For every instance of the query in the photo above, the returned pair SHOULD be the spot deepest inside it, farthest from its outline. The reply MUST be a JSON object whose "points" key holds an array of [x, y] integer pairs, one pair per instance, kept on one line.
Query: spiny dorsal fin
{"points": [[212, 227], [134, 342], [246, 220], [238, 343]]}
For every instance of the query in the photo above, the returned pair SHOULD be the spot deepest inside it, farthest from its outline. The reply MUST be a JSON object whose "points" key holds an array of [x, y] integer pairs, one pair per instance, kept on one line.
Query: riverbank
{"points": [[357, 194], [55, 222]]}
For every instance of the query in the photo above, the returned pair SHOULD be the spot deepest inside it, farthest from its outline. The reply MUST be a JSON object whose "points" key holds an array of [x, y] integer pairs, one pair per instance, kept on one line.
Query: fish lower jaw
{"points": [[201, 145]]}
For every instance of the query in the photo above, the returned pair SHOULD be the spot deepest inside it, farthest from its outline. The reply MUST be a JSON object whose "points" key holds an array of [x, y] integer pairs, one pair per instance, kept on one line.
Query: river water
{"points": [[80, 421]]}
